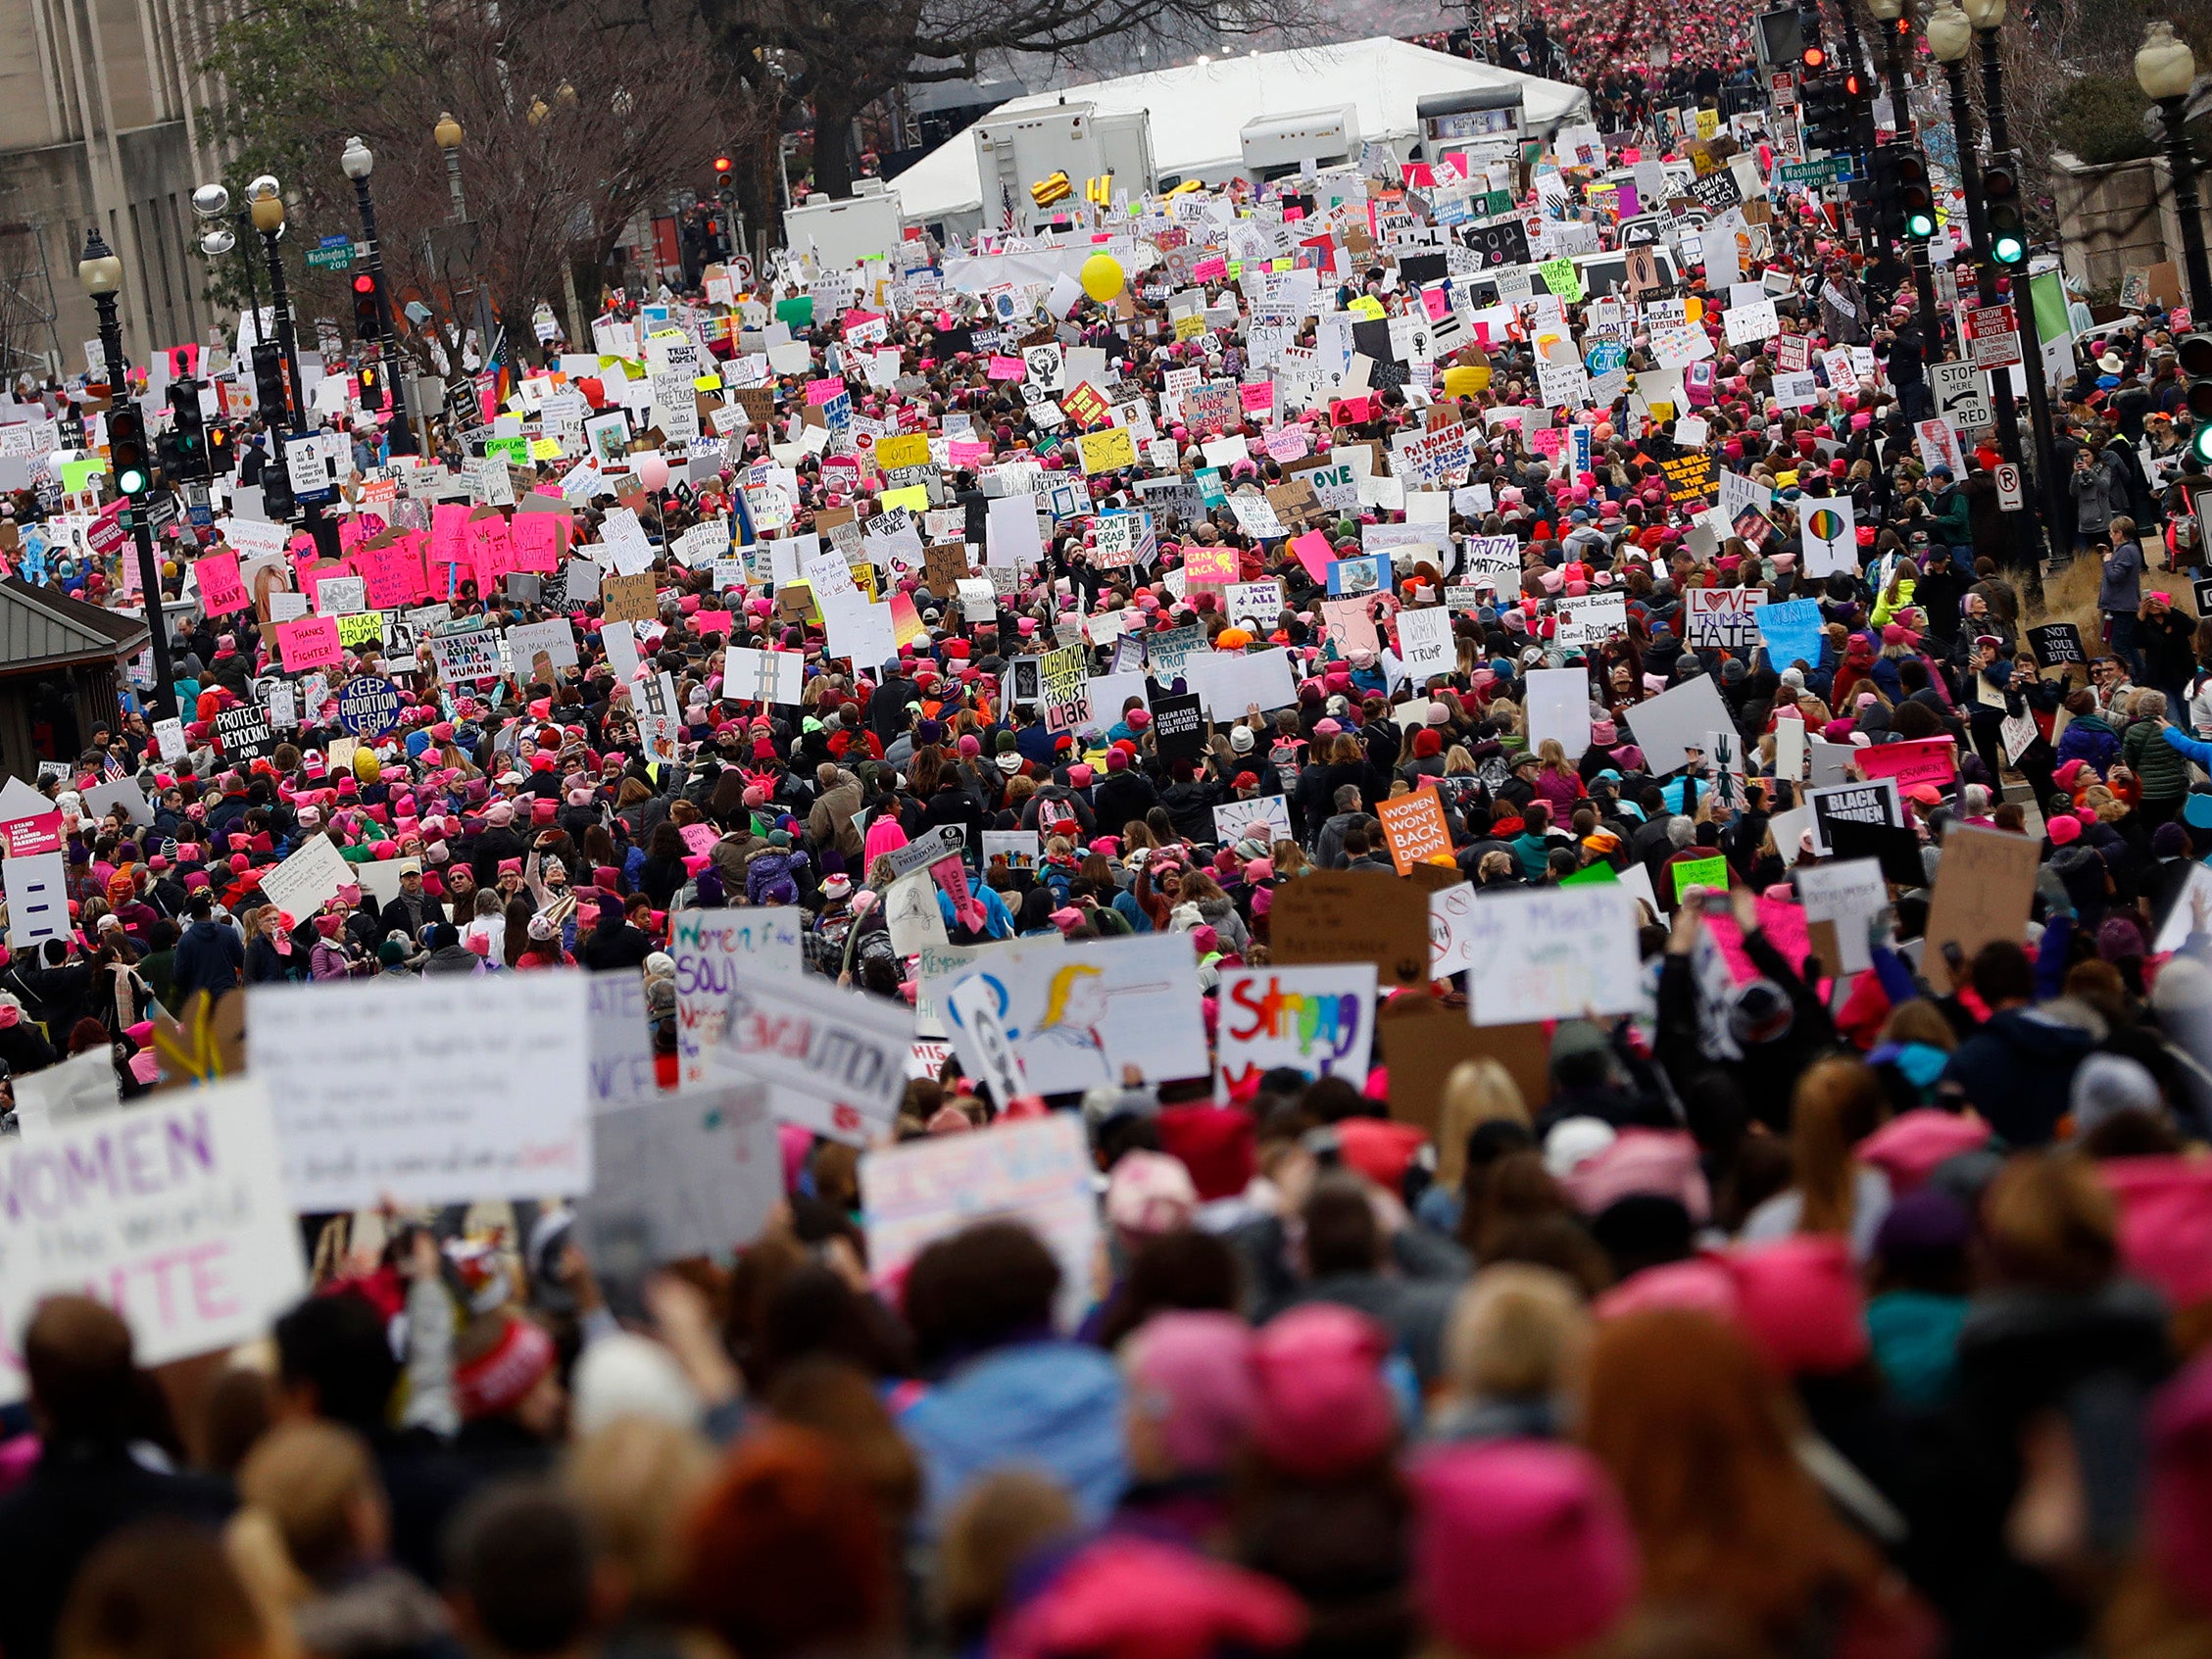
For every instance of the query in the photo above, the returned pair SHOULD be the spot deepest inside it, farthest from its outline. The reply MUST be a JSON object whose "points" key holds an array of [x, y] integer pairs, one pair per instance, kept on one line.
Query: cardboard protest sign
{"points": [[679, 1175], [1697, 873], [1354, 916], [1985, 887], [1452, 932], [1037, 1171], [175, 1213], [244, 732], [707, 946], [628, 599], [412, 1093], [221, 589], [1421, 1041], [1562, 953], [1076, 1013], [1317, 1020], [1413, 825], [836, 1058]]}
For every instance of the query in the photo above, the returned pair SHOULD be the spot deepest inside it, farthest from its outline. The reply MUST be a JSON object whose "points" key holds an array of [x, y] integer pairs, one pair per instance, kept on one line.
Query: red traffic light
{"points": [[365, 283], [721, 164], [1814, 58], [1852, 83]]}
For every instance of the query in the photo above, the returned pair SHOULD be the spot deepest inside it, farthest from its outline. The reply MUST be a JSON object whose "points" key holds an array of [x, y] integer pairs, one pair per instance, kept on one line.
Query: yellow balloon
{"points": [[1102, 278]]}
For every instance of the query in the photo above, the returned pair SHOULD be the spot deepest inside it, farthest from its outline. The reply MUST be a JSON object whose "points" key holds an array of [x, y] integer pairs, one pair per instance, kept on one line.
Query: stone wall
{"points": [[2116, 217]]}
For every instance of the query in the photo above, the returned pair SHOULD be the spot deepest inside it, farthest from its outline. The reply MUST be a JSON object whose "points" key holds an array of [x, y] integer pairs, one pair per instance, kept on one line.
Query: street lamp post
{"points": [[357, 160], [266, 203], [2166, 69], [101, 272], [1890, 14], [448, 137]]}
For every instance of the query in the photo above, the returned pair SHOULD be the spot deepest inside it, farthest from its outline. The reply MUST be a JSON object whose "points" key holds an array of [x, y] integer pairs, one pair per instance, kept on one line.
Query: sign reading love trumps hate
{"points": [[173, 1213]]}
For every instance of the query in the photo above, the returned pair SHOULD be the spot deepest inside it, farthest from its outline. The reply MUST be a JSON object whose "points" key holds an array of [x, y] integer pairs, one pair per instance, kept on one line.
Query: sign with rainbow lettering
{"points": [[1319, 1020]]}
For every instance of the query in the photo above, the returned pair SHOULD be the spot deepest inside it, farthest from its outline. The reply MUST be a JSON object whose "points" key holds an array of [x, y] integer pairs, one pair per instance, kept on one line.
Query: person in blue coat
{"points": [[1006, 1388]]}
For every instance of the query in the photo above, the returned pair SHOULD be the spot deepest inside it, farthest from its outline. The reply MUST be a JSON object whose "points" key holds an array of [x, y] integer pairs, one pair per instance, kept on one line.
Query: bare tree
{"points": [[575, 123]]}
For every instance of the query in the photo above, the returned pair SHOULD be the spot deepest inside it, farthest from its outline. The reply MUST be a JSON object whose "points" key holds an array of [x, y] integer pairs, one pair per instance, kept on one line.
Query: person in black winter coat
{"points": [[1125, 796], [210, 957]]}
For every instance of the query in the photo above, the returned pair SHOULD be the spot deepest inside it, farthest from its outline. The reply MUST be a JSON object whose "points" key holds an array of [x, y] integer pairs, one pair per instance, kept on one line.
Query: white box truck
{"points": [[839, 234], [1277, 146], [1022, 148]]}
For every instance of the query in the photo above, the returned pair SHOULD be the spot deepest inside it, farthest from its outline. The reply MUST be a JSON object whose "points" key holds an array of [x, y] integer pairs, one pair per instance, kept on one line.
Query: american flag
{"points": [[111, 770], [1007, 220]]}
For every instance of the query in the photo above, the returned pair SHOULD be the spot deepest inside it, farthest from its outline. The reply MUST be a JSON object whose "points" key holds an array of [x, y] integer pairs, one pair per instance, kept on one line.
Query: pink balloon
{"points": [[653, 470]]}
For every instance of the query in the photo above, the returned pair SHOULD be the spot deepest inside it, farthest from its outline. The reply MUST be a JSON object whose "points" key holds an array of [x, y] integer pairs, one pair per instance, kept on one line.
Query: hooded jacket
{"points": [[2018, 1072]]}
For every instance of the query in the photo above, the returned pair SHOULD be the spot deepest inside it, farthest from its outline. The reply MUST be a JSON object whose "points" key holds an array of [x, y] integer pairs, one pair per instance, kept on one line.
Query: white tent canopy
{"points": [[1200, 111]]}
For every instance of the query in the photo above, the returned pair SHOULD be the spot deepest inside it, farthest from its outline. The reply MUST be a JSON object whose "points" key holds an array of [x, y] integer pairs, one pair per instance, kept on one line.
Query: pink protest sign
{"points": [[221, 591], [308, 643]]}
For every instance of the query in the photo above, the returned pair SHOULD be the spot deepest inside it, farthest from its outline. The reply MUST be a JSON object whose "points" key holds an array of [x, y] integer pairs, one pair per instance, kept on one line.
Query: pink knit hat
{"points": [[1908, 1148], [1521, 1549], [1324, 1408], [1799, 1301], [1191, 1374]]}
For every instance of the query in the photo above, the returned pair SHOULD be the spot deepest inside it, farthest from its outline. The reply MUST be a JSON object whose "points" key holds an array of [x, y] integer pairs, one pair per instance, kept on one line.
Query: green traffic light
{"points": [[132, 480], [2200, 444], [1920, 224], [2008, 250]]}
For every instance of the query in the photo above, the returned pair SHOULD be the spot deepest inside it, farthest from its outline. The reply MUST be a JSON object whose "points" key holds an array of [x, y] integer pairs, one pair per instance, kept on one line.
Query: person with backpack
{"points": [[772, 874]]}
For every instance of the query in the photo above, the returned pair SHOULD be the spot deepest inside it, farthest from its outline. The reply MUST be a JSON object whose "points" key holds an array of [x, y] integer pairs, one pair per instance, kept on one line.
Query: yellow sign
{"points": [[1103, 452], [914, 496], [363, 627], [908, 449], [1367, 309], [1189, 327], [1464, 379], [545, 449], [1708, 123]]}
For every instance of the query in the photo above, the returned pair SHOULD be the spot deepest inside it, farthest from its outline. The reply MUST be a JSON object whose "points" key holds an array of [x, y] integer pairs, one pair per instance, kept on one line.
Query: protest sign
{"points": [[1317, 1020], [308, 643], [1076, 1013], [837, 1058], [1985, 886], [1064, 690], [79, 1087], [1790, 632], [468, 657], [243, 732], [620, 1041], [693, 1174], [1425, 644], [1179, 726], [933, 846], [2058, 643], [308, 880], [707, 946], [1037, 1171], [553, 641], [1687, 873], [1413, 825], [1265, 820], [221, 589], [174, 1213], [1668, 727], [1872, 803], [1847, 893], [1452, 933], [1558, 706], [368, 706], [628, 597], [1722, 618], [410, 1092], [1354, 916], [122, 797], [913, 914], [1928, 759], [1565, 954]]}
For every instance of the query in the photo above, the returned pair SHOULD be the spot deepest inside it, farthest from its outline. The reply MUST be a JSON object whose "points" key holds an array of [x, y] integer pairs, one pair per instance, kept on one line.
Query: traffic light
{"points": [[2008, 225], [2195, 355], [188, 431], [722, 169], [276, 499], [1916, 201], [1813, 60], [222, 459], [127, 451], [269, 385], [367, 321], [372, 387]]}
